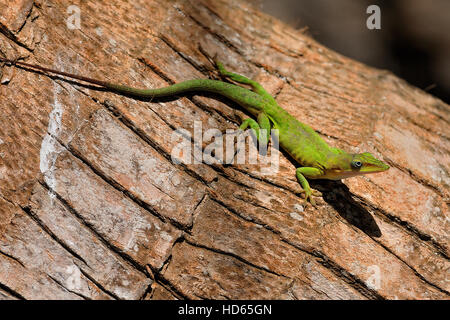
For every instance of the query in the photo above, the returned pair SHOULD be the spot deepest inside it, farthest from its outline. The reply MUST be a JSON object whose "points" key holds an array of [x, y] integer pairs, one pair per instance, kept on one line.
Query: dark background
{"points": [[414, 40]]}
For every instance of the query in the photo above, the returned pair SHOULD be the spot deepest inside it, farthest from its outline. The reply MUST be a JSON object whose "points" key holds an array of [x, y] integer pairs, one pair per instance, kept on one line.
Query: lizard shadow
{"points": [[337, 195]]}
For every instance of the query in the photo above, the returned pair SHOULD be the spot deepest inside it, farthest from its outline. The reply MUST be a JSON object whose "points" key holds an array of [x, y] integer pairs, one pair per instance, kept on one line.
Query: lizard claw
{"points": [[308, 195]]}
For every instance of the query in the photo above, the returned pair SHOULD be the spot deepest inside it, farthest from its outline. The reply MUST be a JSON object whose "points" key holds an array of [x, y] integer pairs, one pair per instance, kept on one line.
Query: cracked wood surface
{"points": [[92, 207]]}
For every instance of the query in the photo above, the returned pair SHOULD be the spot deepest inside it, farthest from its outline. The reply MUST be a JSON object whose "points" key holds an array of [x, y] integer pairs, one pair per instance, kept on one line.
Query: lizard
{"points": [[316, 159]]}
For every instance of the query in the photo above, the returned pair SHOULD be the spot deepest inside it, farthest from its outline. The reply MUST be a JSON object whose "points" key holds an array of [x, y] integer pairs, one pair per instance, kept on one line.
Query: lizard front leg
{"points": [[309, 172]]}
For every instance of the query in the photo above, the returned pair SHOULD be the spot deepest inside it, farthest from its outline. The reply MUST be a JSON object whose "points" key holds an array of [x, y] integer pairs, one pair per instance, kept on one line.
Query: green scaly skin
{"points": [[317, 159]]}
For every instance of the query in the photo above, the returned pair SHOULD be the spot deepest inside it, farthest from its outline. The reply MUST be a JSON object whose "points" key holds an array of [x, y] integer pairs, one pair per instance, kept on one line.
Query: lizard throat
{"points": [[343, 174]]}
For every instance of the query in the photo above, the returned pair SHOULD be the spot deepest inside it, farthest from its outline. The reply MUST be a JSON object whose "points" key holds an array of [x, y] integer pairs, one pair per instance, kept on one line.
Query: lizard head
{"points": [[350, 165], [366, 163]]}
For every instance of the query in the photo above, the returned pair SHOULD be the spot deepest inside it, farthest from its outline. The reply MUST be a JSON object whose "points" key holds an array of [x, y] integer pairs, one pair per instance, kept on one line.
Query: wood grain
{"points": [[93, 207]]}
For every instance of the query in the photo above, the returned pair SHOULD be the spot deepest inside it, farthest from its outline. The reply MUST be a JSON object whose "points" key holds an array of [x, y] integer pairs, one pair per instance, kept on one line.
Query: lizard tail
{"points": [[248, 99], [240, 95]]}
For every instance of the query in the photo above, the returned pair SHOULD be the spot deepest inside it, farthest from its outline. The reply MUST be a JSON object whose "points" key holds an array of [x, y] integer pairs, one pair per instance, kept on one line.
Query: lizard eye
{"points": [[357, 164]]}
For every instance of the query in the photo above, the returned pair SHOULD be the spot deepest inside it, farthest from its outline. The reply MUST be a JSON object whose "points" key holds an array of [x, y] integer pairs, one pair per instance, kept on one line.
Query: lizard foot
{"points": [[309, 195]]}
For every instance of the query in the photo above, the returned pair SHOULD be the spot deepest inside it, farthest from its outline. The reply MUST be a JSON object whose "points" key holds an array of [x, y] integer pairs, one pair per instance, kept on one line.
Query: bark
{"points": [[92, 206]]}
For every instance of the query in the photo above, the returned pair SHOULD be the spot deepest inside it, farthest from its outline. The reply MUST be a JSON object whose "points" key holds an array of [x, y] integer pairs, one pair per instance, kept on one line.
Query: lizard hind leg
{"points": [[254, 126], [264, 134], [256, 87], [261, 129]]}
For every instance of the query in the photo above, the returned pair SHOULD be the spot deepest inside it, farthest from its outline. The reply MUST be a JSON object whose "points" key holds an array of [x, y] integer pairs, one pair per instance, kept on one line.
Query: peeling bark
{"points": [[93, 207]]}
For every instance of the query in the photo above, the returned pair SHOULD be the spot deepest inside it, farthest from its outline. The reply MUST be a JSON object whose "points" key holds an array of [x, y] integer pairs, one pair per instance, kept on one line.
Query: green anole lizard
{"points": [[316, 158]]}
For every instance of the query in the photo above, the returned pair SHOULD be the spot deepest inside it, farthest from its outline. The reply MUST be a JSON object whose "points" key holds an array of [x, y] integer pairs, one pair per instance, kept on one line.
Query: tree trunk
{"points": [[92, 205]]}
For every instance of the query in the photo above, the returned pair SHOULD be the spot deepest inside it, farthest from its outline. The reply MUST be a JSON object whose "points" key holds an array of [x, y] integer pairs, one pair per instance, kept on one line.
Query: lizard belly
{"points": [[303, 144], [301, 151]]}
